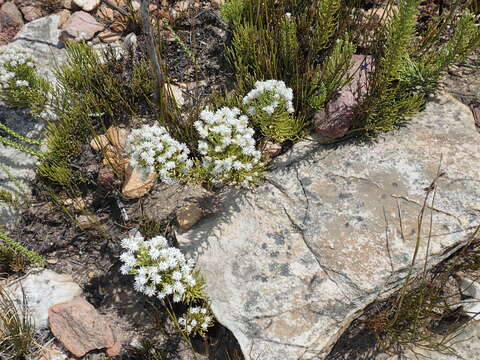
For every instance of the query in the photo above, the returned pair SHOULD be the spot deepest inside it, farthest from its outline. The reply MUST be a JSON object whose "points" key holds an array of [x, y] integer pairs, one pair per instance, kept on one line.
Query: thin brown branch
{"points": [[151, 48]]}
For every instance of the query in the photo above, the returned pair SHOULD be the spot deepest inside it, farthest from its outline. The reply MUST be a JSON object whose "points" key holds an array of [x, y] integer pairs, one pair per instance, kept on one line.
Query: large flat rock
{"points": [[291, 264]]}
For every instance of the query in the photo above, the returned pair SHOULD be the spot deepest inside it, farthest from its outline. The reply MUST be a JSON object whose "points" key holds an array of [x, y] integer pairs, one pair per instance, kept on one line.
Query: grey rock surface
{"points": [[290, 265], [38, 39], [43, 289]]}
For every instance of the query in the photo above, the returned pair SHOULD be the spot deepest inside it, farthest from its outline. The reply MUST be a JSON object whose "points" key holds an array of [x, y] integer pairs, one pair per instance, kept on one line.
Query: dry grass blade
{"points": [[17, 333]]}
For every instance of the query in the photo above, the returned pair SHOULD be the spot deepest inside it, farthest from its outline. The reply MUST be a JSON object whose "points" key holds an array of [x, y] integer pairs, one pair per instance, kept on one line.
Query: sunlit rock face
{"points": [[291, 264]]}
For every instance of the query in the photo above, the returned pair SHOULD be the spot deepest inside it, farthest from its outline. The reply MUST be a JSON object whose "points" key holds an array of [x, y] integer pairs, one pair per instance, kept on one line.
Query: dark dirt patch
{"points": [[205, 69]]}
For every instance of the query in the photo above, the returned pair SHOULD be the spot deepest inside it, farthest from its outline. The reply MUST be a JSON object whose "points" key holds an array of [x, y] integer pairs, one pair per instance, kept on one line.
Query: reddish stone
{"points": [[10, 15], [31, 13], [7, 33], [114, 350], [337, 118], [81, 24], [271, 149], [79, 327], [105, 176]]}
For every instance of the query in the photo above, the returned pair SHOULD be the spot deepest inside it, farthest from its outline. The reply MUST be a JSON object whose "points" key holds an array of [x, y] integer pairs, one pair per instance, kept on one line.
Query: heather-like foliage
{"points": [[270, 107]]}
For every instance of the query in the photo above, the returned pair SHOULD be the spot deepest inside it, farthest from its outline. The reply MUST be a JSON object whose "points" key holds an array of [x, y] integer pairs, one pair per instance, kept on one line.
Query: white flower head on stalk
{"points": [[159, 270], [269, 96], [196, 321], [227, 143], [153, 150]]}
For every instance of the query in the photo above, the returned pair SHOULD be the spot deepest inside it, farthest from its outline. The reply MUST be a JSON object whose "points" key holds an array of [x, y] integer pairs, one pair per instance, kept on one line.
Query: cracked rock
{"points": [[289, 266]]}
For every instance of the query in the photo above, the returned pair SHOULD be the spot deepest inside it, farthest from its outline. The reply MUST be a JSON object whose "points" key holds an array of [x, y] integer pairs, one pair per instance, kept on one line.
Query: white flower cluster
{"points": [[196, 320], [267, 96], [159, 270], [152, 149], [227, 144], [8, 74]]}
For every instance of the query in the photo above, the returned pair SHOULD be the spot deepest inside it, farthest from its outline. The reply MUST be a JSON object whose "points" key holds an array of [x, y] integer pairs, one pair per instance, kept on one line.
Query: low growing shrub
{"points": [[309, 45], [270, 106], [20, 85], [196, 320]]}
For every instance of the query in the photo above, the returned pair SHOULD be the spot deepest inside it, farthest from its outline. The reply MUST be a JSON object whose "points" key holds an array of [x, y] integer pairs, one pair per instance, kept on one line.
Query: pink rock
{"points": [[81, 24], [79, 327], [337, 118], [108, 36], [271, 149], [31, 13], [10, 15], [114, 350]]}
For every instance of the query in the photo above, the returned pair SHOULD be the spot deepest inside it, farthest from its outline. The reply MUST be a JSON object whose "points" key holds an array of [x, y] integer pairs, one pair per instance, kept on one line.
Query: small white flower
{"points": [[177, 275], [153, 150], [150, 291]]}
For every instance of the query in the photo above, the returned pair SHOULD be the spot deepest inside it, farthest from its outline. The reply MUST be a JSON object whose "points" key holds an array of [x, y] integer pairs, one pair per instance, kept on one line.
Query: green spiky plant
{"points": [[408, 65], [31, 256], [34, 96], [320, 35], [88, 98], [17, 331], [287, 40], [26, 149]]}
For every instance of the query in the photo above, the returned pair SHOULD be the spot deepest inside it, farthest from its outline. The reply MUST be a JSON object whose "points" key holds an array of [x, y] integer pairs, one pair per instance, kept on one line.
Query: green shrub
{"points": [[408, 66], [284, 40], [90, 96], [309, 44], [31, 256], [20, 85]]}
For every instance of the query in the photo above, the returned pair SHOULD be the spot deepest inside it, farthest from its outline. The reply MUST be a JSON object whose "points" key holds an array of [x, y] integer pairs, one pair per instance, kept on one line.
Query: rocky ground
{"points": [[288, 266]]}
